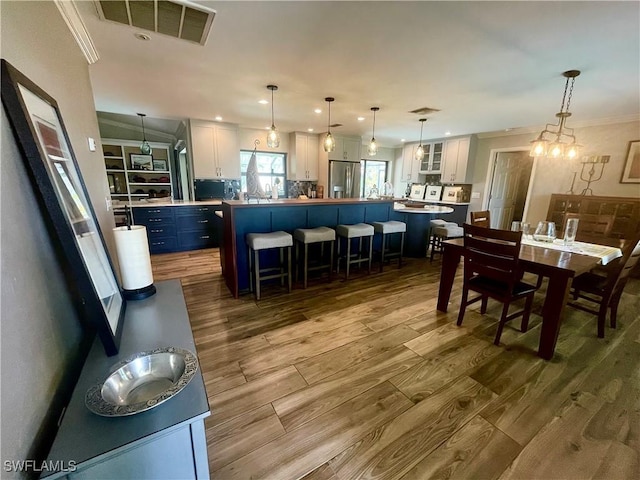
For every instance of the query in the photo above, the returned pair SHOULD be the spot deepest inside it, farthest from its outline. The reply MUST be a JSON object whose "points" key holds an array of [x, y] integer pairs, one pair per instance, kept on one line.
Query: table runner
{"points": [[605, 253]]}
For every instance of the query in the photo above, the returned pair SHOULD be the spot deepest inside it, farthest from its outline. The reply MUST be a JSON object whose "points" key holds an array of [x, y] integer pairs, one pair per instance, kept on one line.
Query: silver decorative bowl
{"points": [[142, 381]]}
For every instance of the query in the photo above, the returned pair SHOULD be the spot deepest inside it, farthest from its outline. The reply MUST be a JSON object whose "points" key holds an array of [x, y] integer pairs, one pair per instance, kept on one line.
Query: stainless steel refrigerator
{"points": [[344, 179]]}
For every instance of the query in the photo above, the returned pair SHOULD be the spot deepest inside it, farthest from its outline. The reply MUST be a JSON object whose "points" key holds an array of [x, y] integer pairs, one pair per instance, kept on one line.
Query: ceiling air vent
{"points": [[424, 111], [179, 19]]}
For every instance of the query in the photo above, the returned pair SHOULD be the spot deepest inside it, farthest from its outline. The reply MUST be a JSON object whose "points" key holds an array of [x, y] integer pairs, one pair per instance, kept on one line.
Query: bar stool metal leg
{"points": [[257, 272], [384, 243], [401, 249], [289, 268], [331, 246], [370, 252], [348, 256]]}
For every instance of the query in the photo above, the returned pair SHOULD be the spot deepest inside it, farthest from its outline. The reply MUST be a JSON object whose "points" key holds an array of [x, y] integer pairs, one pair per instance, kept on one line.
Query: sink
{"points": [[142, 381]]}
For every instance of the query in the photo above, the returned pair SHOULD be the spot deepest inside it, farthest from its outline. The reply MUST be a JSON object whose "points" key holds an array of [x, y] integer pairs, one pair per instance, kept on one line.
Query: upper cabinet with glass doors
{"points": [[432, 161]]}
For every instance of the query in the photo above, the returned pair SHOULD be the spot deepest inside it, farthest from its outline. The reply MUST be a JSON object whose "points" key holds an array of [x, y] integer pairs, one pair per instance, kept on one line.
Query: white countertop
{"points": [[426, 209], [161, 202]]}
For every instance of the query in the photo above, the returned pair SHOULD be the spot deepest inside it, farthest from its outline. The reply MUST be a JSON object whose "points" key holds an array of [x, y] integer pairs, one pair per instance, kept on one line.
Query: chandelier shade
{"points": [[558, 141], [273, 137], [372, 150], [420, 150], [145, 148], [329, 143]]}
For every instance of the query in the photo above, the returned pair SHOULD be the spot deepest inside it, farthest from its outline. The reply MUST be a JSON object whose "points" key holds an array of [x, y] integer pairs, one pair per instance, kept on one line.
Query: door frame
{"points": [[490, 171]]}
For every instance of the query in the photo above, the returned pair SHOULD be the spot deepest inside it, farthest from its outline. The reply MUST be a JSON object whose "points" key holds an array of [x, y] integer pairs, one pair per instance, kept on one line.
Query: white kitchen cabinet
{"points": [[303, 155], [215, 150], [347, 149], [410, 166], [432, 161], [456, 158]]}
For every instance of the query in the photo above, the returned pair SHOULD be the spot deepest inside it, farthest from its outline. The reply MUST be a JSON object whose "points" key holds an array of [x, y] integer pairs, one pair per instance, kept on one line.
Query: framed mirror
{"points": [[56, 178]]}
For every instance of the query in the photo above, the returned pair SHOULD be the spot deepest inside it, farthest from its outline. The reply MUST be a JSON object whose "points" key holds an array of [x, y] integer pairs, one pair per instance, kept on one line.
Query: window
{"points": [[373, 172], [272, 168]]}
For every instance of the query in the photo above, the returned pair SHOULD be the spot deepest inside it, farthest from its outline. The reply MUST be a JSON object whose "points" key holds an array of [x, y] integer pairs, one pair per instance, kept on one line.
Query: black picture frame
{"points": [[56, 179]]}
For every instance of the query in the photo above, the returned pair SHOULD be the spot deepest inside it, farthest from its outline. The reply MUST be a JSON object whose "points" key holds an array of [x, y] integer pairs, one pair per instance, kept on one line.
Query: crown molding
{"points": [[72, 18]]}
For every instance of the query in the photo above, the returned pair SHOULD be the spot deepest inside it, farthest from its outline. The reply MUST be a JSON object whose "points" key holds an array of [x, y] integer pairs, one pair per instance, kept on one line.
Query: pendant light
{"points": [[145, 148], [564, 144], [373, 146], [329, 141], [420, 149], [273, 138]]}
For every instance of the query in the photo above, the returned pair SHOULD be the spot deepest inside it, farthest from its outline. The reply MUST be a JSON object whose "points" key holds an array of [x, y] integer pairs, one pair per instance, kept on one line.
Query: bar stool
{"points": [[307, 236], [266, 241], [349, 232], [389, 228], [432, 225], [444, 232]]}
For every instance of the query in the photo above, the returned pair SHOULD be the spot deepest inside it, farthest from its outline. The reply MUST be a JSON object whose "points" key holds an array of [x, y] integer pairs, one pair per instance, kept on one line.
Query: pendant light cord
{"points": [[272, 123]]}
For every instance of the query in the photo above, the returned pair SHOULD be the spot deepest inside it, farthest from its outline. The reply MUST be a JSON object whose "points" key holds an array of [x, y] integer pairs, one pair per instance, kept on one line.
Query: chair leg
{"points": [[503, 320], [281, 253], [401, 249], [305, 266], [613, 303], [384, 241], [348, 256], [602, 317], [296, 260], [463, 305], [257, 270], [338, 257], [524, 326], [483, 305], [289, 269], [249, 255], [370, 252], [331, 247]]}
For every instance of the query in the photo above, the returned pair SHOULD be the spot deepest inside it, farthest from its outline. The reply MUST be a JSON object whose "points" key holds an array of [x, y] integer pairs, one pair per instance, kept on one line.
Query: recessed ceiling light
{"points": [[317, 110], [447, 133], [309, 129], [267, 128], [263, 102], [142, 36], [361, 119], [403, 139], [219, 118]]}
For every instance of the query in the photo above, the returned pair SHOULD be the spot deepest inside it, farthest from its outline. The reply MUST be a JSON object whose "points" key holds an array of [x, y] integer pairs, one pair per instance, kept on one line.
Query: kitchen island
{"points": [[241, 217]]}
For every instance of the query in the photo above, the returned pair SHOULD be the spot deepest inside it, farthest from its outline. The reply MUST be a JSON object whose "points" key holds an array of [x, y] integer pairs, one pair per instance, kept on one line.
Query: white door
{"points": [[504, 188]]}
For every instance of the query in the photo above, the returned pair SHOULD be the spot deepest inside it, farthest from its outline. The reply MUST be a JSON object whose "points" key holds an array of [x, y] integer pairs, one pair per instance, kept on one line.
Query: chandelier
{"points": [[558, 141]]}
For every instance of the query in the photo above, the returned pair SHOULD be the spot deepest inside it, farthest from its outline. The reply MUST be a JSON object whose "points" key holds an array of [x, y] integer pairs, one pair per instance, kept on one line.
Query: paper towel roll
{"points": [[133, 256]]}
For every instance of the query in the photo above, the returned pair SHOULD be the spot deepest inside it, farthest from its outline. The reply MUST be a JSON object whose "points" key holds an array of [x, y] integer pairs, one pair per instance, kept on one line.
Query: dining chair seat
{"points": [[491, 268]]}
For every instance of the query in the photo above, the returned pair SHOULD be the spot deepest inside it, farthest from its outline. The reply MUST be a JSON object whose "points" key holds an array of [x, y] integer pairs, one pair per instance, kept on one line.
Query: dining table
{"points": [[560, 264]]}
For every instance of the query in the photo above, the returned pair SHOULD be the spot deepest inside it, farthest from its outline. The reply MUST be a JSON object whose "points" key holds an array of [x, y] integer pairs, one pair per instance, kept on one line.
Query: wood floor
{"points": [[365, 379]]}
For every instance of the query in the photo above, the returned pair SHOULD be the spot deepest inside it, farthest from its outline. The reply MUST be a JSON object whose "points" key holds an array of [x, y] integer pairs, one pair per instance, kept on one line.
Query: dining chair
{"points": [[603, 287], [591, 227], [491, 269], [481, 219]]}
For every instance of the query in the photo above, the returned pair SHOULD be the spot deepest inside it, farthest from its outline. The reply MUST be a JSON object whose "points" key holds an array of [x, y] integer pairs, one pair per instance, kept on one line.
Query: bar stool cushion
{"points": [[437, 222], [354, 231], [261, 241], [314, 235], [391, 226], [452, 230]]}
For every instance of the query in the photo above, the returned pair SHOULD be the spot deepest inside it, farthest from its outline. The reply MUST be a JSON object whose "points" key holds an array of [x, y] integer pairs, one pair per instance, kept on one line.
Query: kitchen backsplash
{"points": [[295, 188]]}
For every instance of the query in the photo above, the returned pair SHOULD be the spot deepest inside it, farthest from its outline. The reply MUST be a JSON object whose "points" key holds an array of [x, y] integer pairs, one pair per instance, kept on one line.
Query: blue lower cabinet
{"points": [[179, 228]]}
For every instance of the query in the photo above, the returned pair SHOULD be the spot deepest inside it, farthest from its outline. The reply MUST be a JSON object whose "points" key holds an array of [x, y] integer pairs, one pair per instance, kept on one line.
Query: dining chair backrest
{"points": [[591, 226], [481, 218], [492, 254], [630, 258]]}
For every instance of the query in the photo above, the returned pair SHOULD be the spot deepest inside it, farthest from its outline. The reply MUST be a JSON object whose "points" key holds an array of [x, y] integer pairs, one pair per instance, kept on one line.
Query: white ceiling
{"points": [[488, 66]]}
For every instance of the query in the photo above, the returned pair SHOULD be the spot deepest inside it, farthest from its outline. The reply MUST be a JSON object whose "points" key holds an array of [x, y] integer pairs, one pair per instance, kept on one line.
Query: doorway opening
{"points": [[373, 174], [511, 173]]}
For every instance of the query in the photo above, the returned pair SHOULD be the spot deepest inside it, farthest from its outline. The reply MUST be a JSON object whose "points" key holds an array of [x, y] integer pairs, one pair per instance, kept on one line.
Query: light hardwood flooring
{"points": [[365, 379]]}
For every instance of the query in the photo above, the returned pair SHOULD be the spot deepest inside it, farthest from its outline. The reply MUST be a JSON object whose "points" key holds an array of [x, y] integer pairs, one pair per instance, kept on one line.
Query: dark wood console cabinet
{"points": [[623, 213]]}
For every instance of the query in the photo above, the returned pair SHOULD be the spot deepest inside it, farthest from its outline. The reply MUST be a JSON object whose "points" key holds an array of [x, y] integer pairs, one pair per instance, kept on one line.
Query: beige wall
{"points": [[40, 331], [553, 176]]}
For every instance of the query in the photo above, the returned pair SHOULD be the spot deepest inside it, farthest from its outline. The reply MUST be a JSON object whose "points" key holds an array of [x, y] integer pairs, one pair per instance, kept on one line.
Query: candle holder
{"points": [[590, 170]]}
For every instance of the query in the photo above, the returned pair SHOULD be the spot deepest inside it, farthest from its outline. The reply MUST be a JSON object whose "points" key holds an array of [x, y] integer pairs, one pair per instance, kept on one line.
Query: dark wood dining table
{"points": [[558, 266]]}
